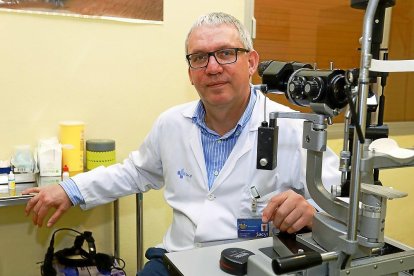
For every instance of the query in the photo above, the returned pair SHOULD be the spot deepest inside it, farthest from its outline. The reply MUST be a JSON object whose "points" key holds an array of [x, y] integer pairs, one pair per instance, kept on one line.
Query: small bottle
{"points": [[12, 181], [65, 173]]}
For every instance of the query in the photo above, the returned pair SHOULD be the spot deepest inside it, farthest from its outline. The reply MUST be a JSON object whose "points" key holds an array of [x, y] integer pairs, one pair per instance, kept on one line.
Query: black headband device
{"points": [[103, 262]]}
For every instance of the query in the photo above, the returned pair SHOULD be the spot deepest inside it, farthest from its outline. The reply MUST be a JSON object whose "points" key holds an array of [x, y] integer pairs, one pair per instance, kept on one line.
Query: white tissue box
{"points": [[49, 157]]}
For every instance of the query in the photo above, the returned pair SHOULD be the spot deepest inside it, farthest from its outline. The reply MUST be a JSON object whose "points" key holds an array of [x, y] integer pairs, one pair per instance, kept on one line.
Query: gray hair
{"points": [[219, 18]]}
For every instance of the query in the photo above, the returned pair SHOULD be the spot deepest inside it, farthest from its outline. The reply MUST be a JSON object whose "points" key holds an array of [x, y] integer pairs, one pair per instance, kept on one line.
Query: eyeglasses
{"points": [[223, 56]]}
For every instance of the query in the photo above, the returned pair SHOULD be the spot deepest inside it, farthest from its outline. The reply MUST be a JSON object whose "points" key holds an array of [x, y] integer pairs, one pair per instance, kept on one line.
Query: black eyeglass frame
{"points": [[209, 54]]}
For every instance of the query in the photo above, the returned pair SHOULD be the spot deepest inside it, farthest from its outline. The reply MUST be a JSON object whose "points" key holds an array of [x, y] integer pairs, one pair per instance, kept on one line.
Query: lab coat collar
{"points": [[257, 115]]}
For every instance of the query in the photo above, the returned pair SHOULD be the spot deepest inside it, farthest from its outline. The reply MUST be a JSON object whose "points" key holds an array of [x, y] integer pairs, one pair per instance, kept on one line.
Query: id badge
{"points": [[252, 228]]}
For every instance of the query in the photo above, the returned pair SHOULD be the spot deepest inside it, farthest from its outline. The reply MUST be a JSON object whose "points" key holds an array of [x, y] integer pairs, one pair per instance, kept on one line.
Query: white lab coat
{"points": [[172, 156]]}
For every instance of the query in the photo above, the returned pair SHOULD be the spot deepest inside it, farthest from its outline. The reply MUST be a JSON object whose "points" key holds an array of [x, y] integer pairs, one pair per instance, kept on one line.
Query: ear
{"points": [[253, 62]]}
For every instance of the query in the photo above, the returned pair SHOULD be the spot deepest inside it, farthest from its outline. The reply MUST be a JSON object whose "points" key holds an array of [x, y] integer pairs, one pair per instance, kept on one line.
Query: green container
{"points": [[99, 152]]}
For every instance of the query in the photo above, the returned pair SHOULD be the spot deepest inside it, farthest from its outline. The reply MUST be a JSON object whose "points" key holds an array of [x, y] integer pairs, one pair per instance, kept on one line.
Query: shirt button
{"points": [[211, 197], [216, 173], [219, 141]]}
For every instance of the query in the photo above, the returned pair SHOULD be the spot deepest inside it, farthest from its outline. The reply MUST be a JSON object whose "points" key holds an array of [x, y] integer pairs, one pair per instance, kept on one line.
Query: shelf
{"points": [[15, 198]]}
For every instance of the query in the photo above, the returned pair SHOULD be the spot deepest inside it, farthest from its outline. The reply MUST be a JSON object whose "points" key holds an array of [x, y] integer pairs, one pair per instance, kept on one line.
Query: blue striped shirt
{"points": [[216, 148], [72, 191]]}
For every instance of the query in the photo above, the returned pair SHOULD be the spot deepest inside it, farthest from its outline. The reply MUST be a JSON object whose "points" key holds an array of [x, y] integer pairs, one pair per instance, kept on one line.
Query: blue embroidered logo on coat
{"points": [[183, 173]]}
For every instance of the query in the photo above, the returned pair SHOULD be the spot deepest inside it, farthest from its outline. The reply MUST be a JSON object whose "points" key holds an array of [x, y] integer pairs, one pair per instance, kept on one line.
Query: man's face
{"points": [[221, 85]]}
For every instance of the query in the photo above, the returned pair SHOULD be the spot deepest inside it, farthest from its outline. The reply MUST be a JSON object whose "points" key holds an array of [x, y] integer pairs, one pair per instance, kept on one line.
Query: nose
{"points": [[213, 67]]}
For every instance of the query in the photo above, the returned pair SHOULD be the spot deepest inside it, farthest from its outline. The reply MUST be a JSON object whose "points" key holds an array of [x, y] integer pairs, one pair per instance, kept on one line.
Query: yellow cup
{"points": [[72, 140]]}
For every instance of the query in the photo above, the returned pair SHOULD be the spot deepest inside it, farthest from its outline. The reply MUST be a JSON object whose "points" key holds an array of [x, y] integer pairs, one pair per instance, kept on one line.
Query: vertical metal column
{"points": [[363, 83], [140, 251]]}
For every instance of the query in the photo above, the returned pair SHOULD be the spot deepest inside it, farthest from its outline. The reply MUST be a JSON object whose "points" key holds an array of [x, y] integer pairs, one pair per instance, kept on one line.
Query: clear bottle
{"points": [[65, 173], [12, 181]]}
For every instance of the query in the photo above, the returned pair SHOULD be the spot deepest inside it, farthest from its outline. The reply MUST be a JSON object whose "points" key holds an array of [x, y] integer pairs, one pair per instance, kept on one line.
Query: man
{"points": [[204, 153]]}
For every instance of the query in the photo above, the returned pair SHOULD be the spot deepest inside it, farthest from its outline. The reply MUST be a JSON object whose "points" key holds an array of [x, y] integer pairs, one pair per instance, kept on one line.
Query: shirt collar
{"points": [[199, 115]]}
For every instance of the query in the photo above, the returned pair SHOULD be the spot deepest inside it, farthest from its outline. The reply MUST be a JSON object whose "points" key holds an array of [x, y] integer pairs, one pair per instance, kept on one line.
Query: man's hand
{"points": [[289, 211], [47, 197]]}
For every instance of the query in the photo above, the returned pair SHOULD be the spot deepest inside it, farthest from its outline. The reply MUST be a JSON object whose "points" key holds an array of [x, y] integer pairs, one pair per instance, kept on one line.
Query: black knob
{"points": [[296, 87], [312, 88]]}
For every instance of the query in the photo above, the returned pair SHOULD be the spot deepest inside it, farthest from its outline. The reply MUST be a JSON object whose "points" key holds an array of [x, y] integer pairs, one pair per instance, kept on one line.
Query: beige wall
{"points": [[116, 77], [400, 223]]}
